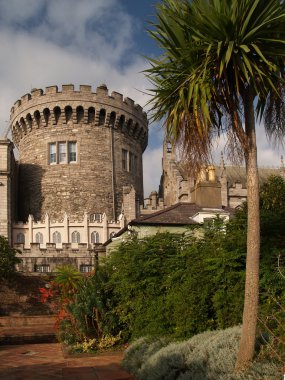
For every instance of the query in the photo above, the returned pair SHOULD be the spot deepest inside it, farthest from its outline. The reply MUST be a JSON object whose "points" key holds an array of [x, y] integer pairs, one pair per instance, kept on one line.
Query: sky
{"points": [[55, 42]]}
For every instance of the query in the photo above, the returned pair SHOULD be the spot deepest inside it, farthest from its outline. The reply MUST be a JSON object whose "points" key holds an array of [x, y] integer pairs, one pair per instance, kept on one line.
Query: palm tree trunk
{"points": [[248, 334]]}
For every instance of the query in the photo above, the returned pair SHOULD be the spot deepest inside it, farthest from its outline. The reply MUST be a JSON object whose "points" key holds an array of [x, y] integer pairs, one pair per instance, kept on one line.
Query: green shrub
{"points": [[141, 350], [207, 356], [8, 258]]}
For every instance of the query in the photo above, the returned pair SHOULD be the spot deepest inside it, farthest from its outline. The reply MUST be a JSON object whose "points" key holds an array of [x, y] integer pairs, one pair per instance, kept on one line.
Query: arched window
{"points": [[95, 237], [39, 238], [121, 121], [102, 116], [68, 113], [20, 239], [46, 113], [37, 117], [75, 237], [91, 114], [57, 113], [112, 234], [56, 237], [112, 118], [79, 114]]}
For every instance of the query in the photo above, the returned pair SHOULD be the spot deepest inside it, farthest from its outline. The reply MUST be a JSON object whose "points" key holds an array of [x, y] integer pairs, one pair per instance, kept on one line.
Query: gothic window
{"points": [[20, 239], [39, 238], [124, 159], [56, 237], [75, 237], [95, 237]]}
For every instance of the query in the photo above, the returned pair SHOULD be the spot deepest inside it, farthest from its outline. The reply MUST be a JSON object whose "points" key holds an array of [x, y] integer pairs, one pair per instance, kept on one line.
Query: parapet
{"points": [[39, 97], [49, 107]]}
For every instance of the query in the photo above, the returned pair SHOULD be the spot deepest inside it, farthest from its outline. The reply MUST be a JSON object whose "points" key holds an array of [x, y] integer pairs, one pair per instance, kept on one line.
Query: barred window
{"points": [[43, 268]]}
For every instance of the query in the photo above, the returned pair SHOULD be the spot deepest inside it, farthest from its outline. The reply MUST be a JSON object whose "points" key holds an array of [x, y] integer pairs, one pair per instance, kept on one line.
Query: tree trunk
{"points": [[248, 333]]}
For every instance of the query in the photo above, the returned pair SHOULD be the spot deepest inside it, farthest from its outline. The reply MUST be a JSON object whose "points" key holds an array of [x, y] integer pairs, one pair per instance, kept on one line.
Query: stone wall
{"points": [[32, 231], [102, 126], [36, 259], [8, 174]]}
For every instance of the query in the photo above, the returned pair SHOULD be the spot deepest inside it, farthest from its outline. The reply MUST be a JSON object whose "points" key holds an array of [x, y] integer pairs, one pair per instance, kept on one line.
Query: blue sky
{"points": [[55, 42]]}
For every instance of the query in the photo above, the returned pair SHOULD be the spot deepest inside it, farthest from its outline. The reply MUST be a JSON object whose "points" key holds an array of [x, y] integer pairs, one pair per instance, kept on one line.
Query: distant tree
{"points": [[8, 258]]}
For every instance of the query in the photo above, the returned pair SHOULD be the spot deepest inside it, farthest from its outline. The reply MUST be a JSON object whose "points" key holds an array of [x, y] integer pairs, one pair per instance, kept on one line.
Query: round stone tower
{"points": [[77, 150]]}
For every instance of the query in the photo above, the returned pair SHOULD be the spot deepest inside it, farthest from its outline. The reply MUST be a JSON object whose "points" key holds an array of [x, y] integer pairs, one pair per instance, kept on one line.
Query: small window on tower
{"points": [[132, 163], [72, 151], [124, 159], [52, 153], [62, 152]]}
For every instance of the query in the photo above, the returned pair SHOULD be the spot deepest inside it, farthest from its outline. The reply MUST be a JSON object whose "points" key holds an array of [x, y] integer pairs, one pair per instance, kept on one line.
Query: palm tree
{"points": [[221, 69]]}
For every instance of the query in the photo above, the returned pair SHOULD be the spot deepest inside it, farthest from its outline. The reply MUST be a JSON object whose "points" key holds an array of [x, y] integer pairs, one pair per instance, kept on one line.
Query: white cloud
{"points": [[47, 42], [51, 42]]}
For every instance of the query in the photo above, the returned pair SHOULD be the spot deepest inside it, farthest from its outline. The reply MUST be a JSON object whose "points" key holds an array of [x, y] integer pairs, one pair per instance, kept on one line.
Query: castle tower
{"points": [[77, 150]]}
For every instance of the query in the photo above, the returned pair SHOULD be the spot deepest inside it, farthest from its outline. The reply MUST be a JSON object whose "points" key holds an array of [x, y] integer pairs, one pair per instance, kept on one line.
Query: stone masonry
{"points": [[7, 185], [101, 128]]}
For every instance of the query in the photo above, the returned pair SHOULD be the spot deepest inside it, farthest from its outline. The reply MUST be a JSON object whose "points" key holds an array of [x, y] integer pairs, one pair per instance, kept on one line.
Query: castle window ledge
{"points": [[51, 245]]}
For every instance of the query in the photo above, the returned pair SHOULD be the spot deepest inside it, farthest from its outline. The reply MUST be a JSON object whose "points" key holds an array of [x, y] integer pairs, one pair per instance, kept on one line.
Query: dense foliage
{"points": [[182, 285], [82, 303], [8, 258], [175, 285]]}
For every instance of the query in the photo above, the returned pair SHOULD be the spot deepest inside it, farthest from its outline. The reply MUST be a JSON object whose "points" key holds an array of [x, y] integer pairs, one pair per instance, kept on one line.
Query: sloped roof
{"points": [[238, 174], [178, 214]]}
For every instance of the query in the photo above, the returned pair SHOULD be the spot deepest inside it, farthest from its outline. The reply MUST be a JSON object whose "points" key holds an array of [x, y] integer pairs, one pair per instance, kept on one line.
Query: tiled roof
{"points": [[178, 214]]}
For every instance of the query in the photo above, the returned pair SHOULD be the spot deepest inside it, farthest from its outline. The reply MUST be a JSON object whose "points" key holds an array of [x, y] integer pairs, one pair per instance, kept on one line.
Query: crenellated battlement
{"points": [[50, 108]]}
